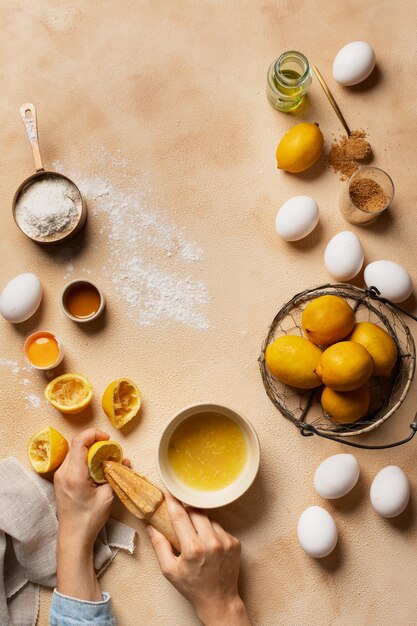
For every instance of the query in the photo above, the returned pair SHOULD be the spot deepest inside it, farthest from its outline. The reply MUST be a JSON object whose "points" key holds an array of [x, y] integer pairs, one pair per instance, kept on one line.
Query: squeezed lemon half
{"points": [[47, 449], [69, 393], [121, 401], [102, 451]]}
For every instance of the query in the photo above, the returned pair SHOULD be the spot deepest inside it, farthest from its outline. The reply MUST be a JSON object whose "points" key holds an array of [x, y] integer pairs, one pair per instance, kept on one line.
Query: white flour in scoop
{"points": [[47, 207]]}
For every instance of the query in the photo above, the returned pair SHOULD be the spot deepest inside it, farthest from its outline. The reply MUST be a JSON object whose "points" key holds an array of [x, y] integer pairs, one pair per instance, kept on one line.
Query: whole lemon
{"points": [[300, 148], [293, 360], [345, 366], [327, 319], [380, 345], [345, 407]]}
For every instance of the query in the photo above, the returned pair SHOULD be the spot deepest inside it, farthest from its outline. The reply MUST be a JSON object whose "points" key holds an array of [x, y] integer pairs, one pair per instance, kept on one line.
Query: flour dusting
{"points": [[34, 400], [149, 257]]}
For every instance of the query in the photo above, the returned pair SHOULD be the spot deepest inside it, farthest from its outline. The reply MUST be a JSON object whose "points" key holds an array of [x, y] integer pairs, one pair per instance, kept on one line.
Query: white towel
{"points": [[28, 528]]}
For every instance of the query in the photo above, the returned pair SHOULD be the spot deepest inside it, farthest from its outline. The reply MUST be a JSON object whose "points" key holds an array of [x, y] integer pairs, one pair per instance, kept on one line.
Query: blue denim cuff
{"points": [[67, 611]]}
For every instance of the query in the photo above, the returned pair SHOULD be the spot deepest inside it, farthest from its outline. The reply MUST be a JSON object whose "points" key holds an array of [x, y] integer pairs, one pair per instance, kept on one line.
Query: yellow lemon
{"points": [[69, 393], [380, 345], [327, 319], [293, 360], [102, 451], [345, 407], [121, 401], [47, 449], [345, 366], [300, 148]]}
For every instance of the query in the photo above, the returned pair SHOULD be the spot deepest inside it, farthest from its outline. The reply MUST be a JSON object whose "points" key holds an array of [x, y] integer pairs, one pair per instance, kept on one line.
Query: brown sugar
{"points": [[345, 153], [367, 195]]}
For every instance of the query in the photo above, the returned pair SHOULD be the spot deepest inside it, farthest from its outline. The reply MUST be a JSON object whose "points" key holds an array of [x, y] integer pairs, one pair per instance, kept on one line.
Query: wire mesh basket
{"points": [[303, 407]]}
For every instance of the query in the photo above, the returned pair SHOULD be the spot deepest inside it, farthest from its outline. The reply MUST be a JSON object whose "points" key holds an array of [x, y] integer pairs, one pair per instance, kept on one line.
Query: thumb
{"points": [[105, 493], [163, 550]]}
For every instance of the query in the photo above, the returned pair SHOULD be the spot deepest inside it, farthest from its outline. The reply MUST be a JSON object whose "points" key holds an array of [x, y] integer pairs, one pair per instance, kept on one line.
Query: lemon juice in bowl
{"points": [[208, 455], [207, 451]]}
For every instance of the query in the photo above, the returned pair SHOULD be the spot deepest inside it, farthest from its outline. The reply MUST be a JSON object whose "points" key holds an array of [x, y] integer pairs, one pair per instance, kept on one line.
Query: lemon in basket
{"points": [[294, 360], [379, 344], [69, 393], [327, 319], [345, 366], [346, 407]]}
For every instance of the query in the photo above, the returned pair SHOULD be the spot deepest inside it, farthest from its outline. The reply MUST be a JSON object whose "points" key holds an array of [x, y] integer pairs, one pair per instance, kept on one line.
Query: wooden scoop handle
{"points": [[28, 114]]}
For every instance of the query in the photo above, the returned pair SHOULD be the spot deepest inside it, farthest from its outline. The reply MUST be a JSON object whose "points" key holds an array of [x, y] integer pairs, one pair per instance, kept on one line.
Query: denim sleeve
{"points": [[67, 611]]}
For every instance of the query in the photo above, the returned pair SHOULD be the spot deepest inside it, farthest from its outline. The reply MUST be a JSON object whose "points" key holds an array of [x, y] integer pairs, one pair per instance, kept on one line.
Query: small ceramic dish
{"points": [[47, 335], [220, 497], [79, 285]]}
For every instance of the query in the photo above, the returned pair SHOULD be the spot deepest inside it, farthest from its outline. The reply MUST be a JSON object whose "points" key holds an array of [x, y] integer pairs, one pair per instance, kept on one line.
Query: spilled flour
{"points": [[32, 399], [149, 259]]}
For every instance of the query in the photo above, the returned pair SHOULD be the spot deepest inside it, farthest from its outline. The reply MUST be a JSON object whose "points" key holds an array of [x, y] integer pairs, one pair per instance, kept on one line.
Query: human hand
{"points": [[83, 507], [207, 570]]}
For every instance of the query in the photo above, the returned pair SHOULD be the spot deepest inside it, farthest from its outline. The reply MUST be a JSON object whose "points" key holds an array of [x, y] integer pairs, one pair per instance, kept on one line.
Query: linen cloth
{"points": [[28, 528]]}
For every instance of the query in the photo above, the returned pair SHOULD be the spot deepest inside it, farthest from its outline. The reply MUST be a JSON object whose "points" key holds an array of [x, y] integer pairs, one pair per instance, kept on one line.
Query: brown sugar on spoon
{"points": [[344, 154]]}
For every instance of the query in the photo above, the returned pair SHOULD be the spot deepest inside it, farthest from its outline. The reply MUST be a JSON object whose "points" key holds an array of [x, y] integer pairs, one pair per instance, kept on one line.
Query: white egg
{"points": [[353, 63], [317, 532], [390, 491], [392, 280], [20, 298], [336, 476], [296, 218], [343, 256]]}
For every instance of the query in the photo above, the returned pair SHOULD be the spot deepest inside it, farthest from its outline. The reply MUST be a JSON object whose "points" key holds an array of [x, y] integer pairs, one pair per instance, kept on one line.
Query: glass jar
{"points": [[288, 80], [377, 194]]}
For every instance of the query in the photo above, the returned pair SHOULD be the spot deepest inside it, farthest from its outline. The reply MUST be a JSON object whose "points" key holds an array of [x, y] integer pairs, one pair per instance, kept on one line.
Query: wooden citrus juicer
{"points": [[142, 498]]}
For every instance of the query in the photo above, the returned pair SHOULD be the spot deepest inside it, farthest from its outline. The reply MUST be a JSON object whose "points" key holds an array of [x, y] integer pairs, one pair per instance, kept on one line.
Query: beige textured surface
{"points": [[178, 89]]}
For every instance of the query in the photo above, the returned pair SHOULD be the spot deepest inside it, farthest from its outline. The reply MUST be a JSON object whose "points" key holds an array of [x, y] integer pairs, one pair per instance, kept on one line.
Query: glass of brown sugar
{"points": [[368, 193]]}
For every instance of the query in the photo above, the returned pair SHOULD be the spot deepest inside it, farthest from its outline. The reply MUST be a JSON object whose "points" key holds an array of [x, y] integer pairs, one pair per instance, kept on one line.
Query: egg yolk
{"points": [[43, 351]]}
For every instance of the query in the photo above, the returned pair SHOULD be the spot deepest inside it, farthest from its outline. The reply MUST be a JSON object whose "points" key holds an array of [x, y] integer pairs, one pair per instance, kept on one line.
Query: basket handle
{"points": [[308, 430]]}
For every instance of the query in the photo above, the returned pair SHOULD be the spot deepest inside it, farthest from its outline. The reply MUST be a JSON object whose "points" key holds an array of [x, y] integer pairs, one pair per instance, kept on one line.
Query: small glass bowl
{"points": [[353, 213]]}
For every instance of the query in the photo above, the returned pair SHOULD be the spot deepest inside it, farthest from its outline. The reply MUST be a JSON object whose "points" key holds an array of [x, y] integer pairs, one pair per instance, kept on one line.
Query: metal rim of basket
{"points": [[362, 296]]}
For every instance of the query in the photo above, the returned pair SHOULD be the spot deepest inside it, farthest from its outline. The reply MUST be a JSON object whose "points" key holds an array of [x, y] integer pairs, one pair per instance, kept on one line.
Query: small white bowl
{"points": [[220, 497], [32, 338]]}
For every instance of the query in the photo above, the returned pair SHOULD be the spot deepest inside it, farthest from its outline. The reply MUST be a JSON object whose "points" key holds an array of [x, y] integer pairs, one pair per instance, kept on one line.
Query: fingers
{"points": [[126, 462], [89, 436], [220, 531], [203, 526], [80, 443], [181, 521], [163, 550]]}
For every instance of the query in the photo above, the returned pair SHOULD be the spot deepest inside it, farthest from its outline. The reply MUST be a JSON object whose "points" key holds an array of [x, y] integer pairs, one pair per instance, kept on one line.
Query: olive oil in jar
{"points": [[288, 80]]}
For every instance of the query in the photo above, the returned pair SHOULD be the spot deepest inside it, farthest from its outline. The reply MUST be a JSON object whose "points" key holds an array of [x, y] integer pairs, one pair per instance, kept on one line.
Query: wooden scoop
{"points": [[142, 498]]}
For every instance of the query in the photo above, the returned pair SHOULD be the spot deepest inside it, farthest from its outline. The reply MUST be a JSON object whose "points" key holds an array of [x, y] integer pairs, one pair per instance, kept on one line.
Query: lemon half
{"points": [[69, 393], [47, 449], [121, 401], [102, 451]]}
